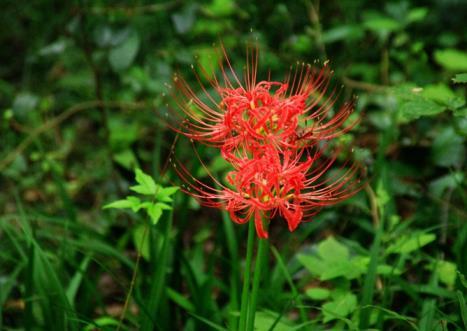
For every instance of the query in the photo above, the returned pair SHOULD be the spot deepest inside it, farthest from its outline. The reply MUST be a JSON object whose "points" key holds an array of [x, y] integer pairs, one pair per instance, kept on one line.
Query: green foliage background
{"points": [[83, 100]]}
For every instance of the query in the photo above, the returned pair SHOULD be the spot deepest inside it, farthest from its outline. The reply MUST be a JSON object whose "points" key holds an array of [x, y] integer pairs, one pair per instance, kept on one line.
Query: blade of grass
{"points": [[158, 279], [370, 278], [208, 322], [261, 259], [49, 294], [288, 277], [7, 286], [75, 282], [462, 307], [246, 277], [232, 246], [427, 318]]}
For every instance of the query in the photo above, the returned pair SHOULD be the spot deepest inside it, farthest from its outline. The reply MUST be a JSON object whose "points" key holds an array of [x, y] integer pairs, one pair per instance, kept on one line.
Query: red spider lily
{"points": [[269, 132], [287, 183], [292, 113]]}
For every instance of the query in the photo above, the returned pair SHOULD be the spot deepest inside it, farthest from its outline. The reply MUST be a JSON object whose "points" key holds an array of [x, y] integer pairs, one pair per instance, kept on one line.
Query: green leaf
{"points": [[417, 14], [265, 320], [407, 244], [462, 307], [180, 300], [24, 103], [126, 159], [164, 193], [448, 148], [460, 78], [101, 323], [441, 93], [451, 180], [341, 307], [75, 282], [451, 59], [122, 204], [314, 265], [318, 293], [446, 273], [137, 204], [415, 102], [155, 213], [163, 206], [332, 251], [146, 186], [333, 261], [381, 24], [462, 279], [413, 110], [342, 32], [220, 8], [122, 56], [141, 245]]}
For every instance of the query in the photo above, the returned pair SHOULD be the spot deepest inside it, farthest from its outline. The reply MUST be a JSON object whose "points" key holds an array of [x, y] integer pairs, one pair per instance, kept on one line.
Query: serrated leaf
{"points": [[168, 191], [142, 190], [164, 193], [341, 307], [460, 78], [332, 251], [413, 110], [163, 206], [155, 213], [146, 186]]}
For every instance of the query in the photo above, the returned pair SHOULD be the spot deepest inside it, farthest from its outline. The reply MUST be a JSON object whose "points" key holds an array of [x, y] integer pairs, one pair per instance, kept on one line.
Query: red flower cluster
{"points": [[272, 134]]}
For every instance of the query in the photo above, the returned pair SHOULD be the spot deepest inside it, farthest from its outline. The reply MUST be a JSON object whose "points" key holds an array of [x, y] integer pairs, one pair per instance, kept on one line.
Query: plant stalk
{"points": [[246, 278], [259, 264]]}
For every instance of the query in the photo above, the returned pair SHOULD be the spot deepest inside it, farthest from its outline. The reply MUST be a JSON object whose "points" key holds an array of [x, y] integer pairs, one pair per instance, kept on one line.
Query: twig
{"points": [[131, 11], [314, 18], [10, 157], [133, 280], [364, 85]]}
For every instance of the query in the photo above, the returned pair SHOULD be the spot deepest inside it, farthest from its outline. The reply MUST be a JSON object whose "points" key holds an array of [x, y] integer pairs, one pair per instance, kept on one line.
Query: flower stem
{"points": [[259, 264], [246, 278]]}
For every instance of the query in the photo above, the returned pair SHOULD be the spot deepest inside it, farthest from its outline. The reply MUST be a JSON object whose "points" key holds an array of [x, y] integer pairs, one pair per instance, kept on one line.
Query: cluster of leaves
{"points": [[159, 196], [82, 104]]}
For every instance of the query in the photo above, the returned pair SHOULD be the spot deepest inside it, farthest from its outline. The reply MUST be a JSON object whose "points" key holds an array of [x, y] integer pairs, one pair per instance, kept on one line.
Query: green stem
{"points": [[259, 264], [371, 275], [133, 281], [232, 247], [246, 278], [158, 279]]}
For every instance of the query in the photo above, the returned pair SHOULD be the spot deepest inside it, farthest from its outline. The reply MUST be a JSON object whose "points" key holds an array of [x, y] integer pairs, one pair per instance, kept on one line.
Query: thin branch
{"points": [[10, 157], [363, 85]]}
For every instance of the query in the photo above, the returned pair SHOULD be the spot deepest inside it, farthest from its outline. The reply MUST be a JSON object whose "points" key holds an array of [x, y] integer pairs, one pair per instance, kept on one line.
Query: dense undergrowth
{"points": [[85, 100]]}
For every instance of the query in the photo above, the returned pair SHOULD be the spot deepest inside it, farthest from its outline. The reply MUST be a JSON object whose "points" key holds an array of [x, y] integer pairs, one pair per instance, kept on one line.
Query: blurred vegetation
{"points": [[83, 100]]}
